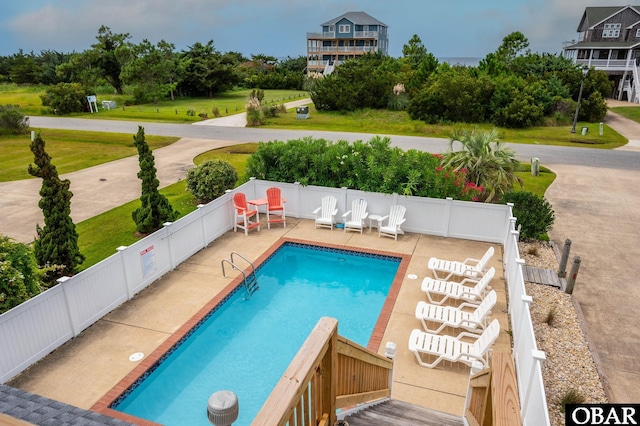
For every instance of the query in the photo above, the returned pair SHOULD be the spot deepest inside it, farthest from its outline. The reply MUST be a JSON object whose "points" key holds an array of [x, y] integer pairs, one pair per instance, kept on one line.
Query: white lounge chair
{"points": [[453, 349], [395, 219], [358, 214], [326, 213], [457, 290], [448, 316], [469, 267]]}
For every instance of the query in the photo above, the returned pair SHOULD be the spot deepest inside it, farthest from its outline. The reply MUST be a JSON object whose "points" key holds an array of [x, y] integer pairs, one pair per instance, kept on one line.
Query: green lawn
{"points": [[632, 113], [231, 102], [385, 122], [70, 150], [100, 235]]}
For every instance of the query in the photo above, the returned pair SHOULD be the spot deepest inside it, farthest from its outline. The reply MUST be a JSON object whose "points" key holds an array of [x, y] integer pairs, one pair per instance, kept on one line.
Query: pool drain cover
{"points": [[136, 357]]}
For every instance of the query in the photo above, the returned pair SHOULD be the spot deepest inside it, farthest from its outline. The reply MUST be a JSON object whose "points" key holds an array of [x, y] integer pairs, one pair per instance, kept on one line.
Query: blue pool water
{"points": [[246, 344]]}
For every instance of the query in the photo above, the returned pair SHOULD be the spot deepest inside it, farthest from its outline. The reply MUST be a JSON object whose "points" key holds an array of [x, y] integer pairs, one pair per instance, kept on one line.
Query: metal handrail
{"points": [[253, 268], [234, 266]]}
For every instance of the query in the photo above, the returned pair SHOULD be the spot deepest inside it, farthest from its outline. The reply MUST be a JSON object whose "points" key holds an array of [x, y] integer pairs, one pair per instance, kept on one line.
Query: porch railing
{"points": [[329, 372]]}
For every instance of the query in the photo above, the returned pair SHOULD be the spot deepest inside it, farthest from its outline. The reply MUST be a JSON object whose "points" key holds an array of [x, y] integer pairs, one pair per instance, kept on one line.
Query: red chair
{"points": [[275, 205], [244, 215]]}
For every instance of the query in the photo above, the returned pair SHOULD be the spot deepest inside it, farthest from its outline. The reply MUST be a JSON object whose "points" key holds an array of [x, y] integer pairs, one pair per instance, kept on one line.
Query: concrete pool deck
{"points": [[86, 368]]}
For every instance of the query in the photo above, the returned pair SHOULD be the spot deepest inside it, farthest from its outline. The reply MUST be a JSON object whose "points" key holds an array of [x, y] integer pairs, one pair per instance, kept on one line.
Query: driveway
{"points": [[595, 199], [598, 209]]}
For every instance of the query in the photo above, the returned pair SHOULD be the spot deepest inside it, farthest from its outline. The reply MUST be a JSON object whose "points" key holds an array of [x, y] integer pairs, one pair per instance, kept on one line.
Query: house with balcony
{"points": [[345, 37], [609, 41]]}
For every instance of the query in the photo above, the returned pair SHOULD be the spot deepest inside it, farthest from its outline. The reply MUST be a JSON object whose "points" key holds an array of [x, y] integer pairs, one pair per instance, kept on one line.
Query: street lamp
{"points": [[585, 70]]}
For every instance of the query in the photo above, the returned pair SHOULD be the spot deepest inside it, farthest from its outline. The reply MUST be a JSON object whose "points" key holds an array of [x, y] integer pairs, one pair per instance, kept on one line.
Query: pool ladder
{"points": [[250, 283]]}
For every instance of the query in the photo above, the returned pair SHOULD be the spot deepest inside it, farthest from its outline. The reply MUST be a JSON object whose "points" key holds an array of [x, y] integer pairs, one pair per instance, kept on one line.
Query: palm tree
{"points": [[485, 160]]}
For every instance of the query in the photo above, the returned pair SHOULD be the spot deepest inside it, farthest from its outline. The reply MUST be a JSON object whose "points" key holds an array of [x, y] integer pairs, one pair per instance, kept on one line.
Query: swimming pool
{"points": [[246, 344]]}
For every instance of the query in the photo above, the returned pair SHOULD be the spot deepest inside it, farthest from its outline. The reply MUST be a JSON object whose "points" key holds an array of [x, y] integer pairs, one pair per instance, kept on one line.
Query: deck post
{"points": [[574, 273], [562, 270]]}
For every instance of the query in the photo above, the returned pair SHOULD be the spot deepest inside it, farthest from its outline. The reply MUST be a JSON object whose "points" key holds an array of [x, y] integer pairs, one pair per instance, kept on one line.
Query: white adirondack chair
{"points": [[395, 218], [358, 214], [326, 213]]}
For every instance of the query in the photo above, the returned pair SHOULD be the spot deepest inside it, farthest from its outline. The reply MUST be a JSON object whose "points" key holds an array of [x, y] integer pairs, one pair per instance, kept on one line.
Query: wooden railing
{"points": [[328, 372], [493, 394]]}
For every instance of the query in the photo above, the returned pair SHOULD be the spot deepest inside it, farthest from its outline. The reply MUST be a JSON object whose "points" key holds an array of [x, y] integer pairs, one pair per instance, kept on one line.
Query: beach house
{"points": [[609, 41], [345, 37]]}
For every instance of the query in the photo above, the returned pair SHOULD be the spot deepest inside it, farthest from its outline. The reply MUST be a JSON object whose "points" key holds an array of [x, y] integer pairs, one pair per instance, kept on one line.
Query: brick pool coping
{"points": [[103, 405]]}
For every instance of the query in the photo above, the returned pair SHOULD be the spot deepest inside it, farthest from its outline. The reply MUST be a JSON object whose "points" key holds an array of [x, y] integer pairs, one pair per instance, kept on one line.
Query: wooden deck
{"points": [[543, 276], [398, 413]]}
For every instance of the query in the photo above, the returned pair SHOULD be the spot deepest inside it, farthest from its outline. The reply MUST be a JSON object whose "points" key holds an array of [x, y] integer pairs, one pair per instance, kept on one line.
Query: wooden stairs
{"points": [[398, 413]]}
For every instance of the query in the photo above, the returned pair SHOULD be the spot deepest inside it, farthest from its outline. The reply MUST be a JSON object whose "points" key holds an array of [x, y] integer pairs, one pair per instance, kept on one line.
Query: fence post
{"points": [[538, 358], [296, 202], [562, 270], [448, 216], [571, 282], [172, 262], [130, 293], [61, 282]]}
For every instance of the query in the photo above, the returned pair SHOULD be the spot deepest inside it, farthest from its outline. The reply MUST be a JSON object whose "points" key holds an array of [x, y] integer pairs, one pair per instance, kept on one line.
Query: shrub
{"points": [[211, 179], [12, 120], [571, 396], [57, 242], [594, 108], [65, 98], [254, 112], [533, 213], [368, 166], [19, 274], [155, 208]]}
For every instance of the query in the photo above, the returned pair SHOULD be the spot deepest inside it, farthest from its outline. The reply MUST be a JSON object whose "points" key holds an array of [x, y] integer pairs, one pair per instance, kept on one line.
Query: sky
{"points": [[447, 28]]}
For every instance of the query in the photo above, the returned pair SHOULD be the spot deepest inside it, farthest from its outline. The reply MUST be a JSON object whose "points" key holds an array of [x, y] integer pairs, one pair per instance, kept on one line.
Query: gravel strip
{"points": [[569, 364]]}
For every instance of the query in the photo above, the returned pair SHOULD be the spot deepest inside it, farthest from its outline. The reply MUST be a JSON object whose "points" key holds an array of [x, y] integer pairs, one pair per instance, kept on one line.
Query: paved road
{"points": [[595, 198]]}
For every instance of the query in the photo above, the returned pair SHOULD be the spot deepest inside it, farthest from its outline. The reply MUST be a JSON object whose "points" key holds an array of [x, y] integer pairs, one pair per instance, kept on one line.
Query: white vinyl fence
{"points": [[528, 359], [33, 329]]}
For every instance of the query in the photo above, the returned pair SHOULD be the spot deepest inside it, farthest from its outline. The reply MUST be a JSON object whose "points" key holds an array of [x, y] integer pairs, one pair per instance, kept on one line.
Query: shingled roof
{"points": [[358, 18], [39, 410], [594, 15]]}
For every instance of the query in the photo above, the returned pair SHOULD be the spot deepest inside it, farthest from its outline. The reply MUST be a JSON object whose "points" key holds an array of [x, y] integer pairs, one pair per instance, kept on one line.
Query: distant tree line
{"points": [[509, 88], [152, 72]]}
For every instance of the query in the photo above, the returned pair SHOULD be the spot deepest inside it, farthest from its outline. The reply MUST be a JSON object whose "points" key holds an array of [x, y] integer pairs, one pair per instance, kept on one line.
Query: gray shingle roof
{"points": [[595, 15], [44, 411], [358, 18]]}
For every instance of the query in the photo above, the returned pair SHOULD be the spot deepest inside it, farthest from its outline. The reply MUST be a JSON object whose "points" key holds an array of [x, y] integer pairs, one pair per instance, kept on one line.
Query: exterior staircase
{"points": [[398, 413]]}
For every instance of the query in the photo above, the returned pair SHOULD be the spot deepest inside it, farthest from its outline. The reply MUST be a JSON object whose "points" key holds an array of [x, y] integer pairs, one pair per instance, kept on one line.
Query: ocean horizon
{"points": [[467, 61]]}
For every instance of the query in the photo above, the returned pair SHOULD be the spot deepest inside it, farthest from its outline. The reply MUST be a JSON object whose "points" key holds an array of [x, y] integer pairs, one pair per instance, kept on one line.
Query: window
{"points": [[638, 32], [611, 30], [344, 28]]}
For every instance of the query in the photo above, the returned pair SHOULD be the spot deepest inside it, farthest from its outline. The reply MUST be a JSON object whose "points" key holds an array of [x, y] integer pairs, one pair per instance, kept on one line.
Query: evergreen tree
{"points": [[155, 209], [57, 242]]}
